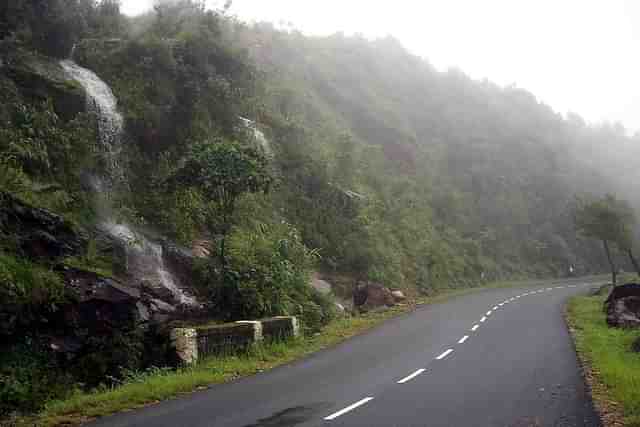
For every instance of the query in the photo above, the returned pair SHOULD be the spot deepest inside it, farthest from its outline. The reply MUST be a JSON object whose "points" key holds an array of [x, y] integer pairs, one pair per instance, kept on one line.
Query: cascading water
{"points": [[258, 135], [144, 258]]}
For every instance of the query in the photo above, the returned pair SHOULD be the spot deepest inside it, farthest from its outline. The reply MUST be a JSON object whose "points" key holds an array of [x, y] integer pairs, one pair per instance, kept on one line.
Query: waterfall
{"points": [[258, 135], [144, 257]]}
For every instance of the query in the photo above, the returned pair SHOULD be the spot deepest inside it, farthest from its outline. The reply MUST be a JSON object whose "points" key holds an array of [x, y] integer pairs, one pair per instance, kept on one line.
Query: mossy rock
{"points": [[42, 78]]}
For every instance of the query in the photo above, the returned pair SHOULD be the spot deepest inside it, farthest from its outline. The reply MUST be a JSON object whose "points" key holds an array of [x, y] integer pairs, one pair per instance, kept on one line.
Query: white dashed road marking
{"points": [[348, 408], [412, 376], [445, 354]]}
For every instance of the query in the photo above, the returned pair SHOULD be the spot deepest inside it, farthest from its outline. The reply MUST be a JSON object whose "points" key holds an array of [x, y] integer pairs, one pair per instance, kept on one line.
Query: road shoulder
{"points": [[608, 366]]}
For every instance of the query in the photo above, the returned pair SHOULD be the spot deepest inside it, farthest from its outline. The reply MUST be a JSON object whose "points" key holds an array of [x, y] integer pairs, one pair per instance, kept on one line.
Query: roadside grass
{"points": [[156, 385], [614, 369]]}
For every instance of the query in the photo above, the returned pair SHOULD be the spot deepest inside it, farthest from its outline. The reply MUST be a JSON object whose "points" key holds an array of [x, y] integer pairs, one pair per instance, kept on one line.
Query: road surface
{"points": [[499, 357]]}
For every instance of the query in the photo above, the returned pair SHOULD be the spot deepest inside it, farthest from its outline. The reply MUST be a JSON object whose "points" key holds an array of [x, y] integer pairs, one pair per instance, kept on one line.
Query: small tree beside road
{"points": [[610, 220]]}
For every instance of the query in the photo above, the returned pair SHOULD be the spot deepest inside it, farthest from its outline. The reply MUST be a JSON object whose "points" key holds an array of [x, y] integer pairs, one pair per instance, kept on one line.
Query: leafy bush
{"points": [[268, 274], [28, 292], [29, 377]]}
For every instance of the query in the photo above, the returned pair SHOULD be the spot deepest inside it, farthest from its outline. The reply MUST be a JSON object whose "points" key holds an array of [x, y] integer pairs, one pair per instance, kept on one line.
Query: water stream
{"points": [[145, 261]]}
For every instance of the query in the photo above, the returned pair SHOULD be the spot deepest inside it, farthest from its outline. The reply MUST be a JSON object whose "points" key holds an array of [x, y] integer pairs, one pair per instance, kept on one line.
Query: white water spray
{"points": [[144, 258]]}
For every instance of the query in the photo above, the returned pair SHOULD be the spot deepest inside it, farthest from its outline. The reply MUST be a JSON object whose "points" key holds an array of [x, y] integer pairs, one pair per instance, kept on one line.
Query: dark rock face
{"points": [[39, 234], [626, 290], [371, 295], [179, 260], [102, 304], [42, 79], [623, 306]]}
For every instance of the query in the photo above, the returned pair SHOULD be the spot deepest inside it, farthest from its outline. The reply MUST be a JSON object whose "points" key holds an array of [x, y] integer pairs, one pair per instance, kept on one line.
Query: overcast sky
{"points": [[575, 55]]}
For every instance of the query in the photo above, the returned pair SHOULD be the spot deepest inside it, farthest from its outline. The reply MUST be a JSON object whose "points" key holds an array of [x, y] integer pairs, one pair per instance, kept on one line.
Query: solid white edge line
{"points": [[483, 319], [475, 327], [501, 304], [495, 307], [549, 289], [488, 313], [445, 354], [348, 408], [412, 376], [463, 339]]}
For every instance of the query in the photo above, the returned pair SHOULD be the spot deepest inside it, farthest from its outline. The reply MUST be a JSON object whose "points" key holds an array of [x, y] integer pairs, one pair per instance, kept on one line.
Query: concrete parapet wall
{"points": [[280, 327], [192, 343]]}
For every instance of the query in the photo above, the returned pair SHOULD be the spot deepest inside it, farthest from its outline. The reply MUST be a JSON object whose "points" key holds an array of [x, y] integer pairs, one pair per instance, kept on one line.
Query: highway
{"points": [[497, 357]]}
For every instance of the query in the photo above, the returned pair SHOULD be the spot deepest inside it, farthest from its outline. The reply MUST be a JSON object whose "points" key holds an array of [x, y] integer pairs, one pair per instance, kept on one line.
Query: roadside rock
{"points": [[622, 306], [398, 295], [39, 233], [320, 285], [371, 295], [624, 312], [622, 291]]}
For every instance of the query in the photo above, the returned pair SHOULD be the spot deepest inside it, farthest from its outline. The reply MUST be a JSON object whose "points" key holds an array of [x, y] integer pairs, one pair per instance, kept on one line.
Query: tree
{"points": [[610, 220], [224, 170]]}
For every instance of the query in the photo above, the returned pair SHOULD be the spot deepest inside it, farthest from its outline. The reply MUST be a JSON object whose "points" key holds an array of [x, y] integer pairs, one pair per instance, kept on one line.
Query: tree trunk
{"points": [[614, 273], [634, 261]]}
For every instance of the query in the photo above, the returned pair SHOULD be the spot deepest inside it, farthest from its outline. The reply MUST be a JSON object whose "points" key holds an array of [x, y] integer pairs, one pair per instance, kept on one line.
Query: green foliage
{"points": [[267, 275], [607, 351], [29, 292], [608, 219], [29, 377]]}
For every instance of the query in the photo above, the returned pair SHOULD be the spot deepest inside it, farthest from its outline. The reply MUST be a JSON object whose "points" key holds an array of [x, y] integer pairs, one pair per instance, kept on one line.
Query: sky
{"points": [[574, 55]]}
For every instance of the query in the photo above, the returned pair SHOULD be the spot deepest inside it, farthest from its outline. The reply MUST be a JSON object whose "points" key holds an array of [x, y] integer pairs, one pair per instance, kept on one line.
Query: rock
{"points": [[398, 296], [372, 295], [180, 261], [320, 285], [622, 291], [40, 234], [635, 347], [624, 312], [43, 79]]}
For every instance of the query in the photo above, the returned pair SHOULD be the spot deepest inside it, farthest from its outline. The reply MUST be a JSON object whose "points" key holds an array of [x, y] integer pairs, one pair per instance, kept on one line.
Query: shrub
{"points": [[29, 377]]}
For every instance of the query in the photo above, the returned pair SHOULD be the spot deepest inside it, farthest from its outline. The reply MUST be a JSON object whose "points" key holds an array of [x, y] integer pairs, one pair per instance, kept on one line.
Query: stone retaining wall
{"points": [[189, 344], [281, 327]]}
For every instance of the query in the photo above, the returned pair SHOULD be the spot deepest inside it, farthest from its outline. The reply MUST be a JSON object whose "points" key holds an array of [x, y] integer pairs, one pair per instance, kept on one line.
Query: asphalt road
{"points": [[494, 358]]}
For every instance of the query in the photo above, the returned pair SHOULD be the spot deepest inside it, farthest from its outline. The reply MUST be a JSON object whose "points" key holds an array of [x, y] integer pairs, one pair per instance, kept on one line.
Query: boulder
{"points": [[624, 312], [622, 306], [42, 79], [100, 304], [371, 295], [398, 295], [320, 285], [39, 234], [622, 291]]}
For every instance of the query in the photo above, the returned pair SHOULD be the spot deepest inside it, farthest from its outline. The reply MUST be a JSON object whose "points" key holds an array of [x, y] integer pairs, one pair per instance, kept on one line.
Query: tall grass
{"points": [[616, 369]]}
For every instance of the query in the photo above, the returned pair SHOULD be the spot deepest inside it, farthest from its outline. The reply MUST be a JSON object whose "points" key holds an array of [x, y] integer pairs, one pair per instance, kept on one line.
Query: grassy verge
{"points": [[612, 370], [158, 385]]}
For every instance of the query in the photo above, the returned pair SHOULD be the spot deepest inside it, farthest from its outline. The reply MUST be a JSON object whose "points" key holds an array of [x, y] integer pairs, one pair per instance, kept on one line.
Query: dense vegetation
{"points": [[379, 167]]}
